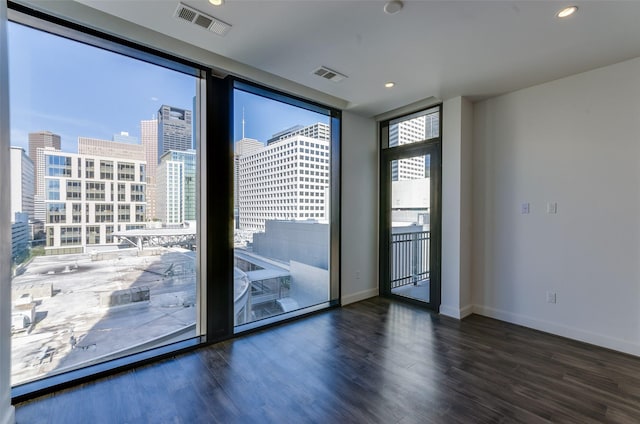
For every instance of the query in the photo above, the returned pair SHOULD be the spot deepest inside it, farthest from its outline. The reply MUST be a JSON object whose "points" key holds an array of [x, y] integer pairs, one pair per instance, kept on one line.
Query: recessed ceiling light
{"points": [[216, 2], [394, 6], [567, 11], [389, 84]]}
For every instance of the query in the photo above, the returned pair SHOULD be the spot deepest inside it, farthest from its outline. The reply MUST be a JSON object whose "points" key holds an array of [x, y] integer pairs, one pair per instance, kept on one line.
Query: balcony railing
{"points": [[410, 258]]}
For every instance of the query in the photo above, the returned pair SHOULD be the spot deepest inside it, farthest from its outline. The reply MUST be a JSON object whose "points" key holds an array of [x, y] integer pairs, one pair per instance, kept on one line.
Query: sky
{"points": [[76, 90]]}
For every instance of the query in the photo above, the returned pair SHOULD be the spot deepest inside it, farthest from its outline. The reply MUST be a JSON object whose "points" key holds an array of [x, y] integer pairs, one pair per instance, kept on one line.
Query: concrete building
{"points": [[87, 198], [319, 131], [306, 242], [111, 149], [286, 180], [176, 187], [174, 130], [409, 131], [149, 138], [243, 147]]}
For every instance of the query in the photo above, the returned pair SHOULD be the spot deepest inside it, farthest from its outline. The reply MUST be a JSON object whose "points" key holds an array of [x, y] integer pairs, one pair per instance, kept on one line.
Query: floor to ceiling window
{"points": [[121, 187], [283, 192], [103, 201]]}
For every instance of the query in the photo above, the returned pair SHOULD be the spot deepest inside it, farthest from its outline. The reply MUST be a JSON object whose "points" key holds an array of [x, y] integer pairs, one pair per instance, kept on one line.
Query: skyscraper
{"points": [[22, 185], [410, 131], [286, 180], [243, 147], [22, 182], [149, 138], [174, 130], [41, 139], [176, 187]]}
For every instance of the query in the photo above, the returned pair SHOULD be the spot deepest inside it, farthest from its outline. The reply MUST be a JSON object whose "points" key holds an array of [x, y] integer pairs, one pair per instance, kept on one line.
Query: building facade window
{"points": [[126, 171], [103, 212], [106, 170], [93, 234], [95, 191], [70, 236], [137, 192], [58, 166], [124, 213], [53, 189], [89, 169], [56, 213], [74, 190]]}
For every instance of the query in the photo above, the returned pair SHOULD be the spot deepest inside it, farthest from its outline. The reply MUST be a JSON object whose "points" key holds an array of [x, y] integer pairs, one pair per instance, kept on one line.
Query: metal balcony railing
{"points": [[409, 258]]}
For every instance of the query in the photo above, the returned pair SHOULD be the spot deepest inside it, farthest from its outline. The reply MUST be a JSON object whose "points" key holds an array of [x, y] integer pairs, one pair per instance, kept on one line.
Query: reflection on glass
{"points": [[420, 126], [103, 221], [281, 208]]}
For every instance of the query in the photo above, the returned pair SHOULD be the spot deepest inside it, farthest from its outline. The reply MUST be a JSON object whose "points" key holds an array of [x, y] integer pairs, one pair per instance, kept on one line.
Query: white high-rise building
{"points": [[410, 131], [243, 147], [87, 198], [318, 131], [286, 180], [176, 187], [22, 182]]}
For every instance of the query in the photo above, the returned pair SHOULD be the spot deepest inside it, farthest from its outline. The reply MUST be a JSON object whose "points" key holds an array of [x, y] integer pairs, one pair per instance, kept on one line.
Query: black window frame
{"points": [[217, 257]]}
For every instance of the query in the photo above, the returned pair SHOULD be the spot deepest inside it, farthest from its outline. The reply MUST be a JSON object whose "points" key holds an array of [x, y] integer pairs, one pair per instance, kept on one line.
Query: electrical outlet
{"points": [[552, 208], [357, 275], [551, 297], [524, 208]]}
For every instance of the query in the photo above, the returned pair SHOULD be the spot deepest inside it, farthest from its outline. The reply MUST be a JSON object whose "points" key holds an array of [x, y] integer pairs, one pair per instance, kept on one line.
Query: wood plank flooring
{"points": [[377, 361]]}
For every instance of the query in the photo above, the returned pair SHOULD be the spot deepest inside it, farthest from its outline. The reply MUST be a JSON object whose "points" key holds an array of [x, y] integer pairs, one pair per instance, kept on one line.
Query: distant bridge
{"points": [[159, 237]]}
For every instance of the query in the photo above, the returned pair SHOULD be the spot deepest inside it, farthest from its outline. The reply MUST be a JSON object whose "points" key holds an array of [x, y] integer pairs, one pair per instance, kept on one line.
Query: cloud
{"points": [[154, 99]]}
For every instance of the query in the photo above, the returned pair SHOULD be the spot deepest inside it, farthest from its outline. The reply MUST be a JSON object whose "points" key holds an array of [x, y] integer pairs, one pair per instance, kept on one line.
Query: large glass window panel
{"points": [[106, 275], [282, 214]]}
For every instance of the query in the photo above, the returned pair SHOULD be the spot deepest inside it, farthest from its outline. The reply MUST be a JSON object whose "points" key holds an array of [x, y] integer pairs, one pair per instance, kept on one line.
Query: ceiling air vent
{"points": [[191, 15], [329, 74]]}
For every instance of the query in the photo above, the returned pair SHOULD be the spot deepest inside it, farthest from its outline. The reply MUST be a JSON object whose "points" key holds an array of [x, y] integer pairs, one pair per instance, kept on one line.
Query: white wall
{"points": [[6, 410], [359, 257], [575, 141], [456, 207]]}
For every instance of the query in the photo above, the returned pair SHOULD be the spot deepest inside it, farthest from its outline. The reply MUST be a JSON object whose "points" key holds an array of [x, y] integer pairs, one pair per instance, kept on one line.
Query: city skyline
{"points": [[64, 87], [49, 91]]}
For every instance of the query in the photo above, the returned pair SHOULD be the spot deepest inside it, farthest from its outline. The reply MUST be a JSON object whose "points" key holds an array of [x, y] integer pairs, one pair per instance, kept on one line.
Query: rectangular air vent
{"points": [[193, 16], [329, 74]]}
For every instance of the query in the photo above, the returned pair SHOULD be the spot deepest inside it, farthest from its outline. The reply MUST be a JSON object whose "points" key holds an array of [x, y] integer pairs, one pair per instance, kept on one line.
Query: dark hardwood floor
{"points": [[377, 361]]}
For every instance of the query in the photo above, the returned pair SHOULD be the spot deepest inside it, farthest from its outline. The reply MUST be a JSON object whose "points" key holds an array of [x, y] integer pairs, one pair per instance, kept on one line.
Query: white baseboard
{"points": [[8, 416], [457, 313], [361, 295], [560, 330]]}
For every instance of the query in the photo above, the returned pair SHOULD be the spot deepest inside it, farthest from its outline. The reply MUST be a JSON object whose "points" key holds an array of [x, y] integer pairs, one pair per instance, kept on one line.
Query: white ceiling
{"points": [[430, 48]]}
